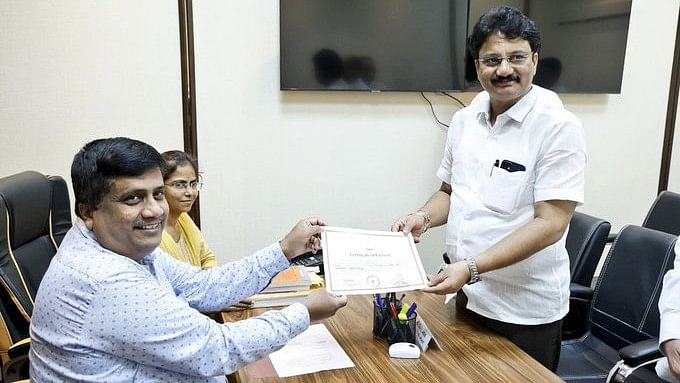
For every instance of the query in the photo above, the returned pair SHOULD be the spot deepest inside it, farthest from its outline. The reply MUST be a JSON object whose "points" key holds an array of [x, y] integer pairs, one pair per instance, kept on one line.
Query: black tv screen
{"points": [[420, 45], [373, 45]]}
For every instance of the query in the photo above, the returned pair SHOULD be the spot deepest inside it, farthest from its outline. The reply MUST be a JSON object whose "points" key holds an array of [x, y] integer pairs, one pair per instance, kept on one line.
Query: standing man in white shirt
{"points": [[669, 333], [512, 175]]}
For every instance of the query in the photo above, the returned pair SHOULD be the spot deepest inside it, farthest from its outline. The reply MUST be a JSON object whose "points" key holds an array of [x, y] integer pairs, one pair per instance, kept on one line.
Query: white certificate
{"points": [[365, 261]]}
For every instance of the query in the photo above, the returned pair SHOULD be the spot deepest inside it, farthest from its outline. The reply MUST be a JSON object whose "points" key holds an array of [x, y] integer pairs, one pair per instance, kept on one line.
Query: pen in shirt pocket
{"points": [[495, 165]]}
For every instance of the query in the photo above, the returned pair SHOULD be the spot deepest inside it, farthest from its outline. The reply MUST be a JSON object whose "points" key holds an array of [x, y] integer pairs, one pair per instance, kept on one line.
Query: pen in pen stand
{"points": [[403, 313], [379, 301], [393, 310], [395, 327], [411, 310]]}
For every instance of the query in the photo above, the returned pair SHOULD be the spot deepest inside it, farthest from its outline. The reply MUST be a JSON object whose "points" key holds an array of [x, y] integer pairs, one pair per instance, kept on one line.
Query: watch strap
{"points": [[474, 272]]}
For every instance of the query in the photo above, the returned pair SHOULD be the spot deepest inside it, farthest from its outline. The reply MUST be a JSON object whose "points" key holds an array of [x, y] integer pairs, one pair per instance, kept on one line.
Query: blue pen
{"points": [[411, 310], [379, 301]]}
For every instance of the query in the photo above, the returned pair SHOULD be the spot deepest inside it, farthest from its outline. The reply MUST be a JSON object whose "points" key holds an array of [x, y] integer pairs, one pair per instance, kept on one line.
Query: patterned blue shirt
{"points": [[103, 317]]}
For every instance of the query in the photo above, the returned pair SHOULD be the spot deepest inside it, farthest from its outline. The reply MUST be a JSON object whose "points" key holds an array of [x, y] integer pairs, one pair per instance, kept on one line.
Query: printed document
{"points": [[313, 350], [366, 261]]}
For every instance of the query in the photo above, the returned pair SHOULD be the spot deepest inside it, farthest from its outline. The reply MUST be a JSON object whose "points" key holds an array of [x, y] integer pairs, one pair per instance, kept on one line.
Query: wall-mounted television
{"points": [[420, 45], [373, 45]]}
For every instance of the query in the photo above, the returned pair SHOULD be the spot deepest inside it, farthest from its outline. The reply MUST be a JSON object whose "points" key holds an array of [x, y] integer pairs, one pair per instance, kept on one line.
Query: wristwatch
{"points": [[426, 219], [474, 273]]}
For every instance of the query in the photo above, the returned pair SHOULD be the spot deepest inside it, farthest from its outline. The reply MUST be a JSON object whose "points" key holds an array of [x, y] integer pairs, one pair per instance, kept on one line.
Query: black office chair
{"points": [[585, 242], [34, 217], [623, 321], [15, 341], [662, 215]]}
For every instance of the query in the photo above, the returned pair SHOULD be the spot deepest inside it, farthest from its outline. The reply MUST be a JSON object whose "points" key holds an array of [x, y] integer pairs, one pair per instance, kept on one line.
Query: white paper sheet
{"points": [[366, 261], [313, 350]]}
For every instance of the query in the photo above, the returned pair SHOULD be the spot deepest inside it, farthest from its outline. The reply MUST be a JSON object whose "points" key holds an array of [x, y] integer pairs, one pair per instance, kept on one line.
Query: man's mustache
{"points": [[497, 79]]}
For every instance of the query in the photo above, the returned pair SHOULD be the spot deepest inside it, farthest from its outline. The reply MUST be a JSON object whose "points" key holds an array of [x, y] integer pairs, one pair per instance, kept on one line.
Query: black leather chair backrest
{"points": [[34, 217], [664, 215], [585, 242], [12, 324], [625, 303]]}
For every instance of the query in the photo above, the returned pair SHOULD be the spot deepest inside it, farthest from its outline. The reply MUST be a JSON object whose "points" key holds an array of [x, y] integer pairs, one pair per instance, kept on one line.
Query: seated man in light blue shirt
{"points": [[112, 307]]}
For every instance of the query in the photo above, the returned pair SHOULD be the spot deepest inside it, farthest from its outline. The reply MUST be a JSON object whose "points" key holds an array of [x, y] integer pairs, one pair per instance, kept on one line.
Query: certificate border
{"points": [[414, 254]]}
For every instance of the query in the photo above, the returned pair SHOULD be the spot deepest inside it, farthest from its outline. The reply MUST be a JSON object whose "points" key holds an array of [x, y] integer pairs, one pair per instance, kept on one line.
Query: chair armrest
{"points": [[575, 324], [580, 292], [19, 348], [611, 237], [633, 357], [640, 352], [18, 365]]}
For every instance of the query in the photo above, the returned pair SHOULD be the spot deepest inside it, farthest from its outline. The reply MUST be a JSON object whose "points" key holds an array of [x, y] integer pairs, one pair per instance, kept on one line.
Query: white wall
{"points": [[674, 176], [75, 70], [362, 160], [624, 132]]}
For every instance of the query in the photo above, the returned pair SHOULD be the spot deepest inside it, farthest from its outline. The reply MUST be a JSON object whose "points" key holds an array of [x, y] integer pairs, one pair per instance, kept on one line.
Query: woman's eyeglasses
{"points": [[184, 185]]}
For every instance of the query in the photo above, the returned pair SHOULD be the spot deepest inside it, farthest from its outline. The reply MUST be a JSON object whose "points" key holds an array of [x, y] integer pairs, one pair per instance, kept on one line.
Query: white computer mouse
{"points": [[404, 350]]}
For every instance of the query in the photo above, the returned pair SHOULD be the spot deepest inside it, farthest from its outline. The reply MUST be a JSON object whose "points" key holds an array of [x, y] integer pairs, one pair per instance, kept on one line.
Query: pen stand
{"points": [[381, 321], [402, 330]]}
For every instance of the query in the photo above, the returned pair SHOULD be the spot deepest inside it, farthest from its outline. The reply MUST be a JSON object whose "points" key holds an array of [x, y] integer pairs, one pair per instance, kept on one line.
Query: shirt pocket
{"points": [[502, 191]]}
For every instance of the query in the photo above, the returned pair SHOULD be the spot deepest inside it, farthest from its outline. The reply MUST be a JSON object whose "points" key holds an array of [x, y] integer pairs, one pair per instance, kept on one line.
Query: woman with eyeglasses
{"points": [[181, 238]]}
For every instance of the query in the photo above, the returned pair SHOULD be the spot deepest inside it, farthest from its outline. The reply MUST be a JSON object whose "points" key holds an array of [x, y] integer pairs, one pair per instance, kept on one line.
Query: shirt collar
{"points": [[517, 112], [89, 236]]}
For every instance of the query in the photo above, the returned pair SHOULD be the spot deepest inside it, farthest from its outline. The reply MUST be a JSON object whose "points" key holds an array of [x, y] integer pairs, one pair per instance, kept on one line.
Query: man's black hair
{"points": [[101, 161], [510, 22]]}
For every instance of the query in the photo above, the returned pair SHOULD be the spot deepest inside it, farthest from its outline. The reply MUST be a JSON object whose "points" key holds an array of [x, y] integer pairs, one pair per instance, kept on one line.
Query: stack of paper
{"points": [[294, 278], [278, 299], [288, 287]]}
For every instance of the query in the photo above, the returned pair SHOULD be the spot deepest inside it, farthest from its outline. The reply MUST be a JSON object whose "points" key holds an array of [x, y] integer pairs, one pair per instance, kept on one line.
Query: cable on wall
{"points": [[454, 98], [434, 114]]}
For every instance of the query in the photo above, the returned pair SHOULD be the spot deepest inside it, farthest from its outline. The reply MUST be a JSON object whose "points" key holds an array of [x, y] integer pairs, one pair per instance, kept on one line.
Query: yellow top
{"points": [[196, 251]]}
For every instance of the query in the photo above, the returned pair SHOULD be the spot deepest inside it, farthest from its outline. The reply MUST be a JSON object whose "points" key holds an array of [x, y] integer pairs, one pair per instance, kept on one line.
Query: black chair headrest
{"points": [[27, 198]]}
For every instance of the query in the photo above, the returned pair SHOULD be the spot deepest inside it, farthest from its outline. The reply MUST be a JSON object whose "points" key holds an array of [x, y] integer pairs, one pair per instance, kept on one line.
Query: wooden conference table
{"points": [[470, 353]]}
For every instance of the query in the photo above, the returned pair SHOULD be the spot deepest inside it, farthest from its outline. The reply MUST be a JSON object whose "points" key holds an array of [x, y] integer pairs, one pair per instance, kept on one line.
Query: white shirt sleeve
{"points": [[560, 172], [444, 171], [669, 302], [669, 307]]}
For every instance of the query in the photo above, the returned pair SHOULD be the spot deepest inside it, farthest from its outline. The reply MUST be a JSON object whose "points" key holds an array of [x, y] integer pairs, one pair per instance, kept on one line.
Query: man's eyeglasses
{"points": [[494, 61], [184, 185]]}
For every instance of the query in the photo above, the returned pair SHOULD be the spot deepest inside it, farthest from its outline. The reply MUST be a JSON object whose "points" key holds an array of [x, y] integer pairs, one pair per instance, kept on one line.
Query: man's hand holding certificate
{"points": [[365, 261]]}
